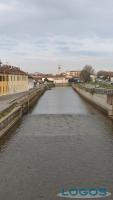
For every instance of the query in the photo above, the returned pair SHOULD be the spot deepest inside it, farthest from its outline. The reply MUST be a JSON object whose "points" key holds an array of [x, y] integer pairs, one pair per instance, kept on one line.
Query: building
{"points": [[57, 79], [12, 80], [31, 82], [38, 77], [60, 80], [72, 74]]}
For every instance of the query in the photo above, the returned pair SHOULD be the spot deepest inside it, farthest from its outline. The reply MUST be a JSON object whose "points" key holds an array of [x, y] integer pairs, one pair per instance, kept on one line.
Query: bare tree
{"points": [[86, 72], [89, 69]]}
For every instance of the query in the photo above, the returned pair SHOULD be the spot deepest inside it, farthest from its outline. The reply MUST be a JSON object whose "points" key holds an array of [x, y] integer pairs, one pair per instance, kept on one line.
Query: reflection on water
{"points": [[60, 100], [63, 142]]}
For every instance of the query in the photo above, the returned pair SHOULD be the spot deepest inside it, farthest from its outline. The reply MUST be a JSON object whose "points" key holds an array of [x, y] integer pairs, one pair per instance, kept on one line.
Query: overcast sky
{"points": [[39, 35]]}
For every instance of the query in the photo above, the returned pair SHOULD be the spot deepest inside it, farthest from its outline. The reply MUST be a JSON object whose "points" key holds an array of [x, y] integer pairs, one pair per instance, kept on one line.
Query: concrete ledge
{"points": [[12, 114], [8, 126], [95, 101]]}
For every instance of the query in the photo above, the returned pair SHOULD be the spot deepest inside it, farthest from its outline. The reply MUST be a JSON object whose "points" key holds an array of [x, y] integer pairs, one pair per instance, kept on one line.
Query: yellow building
{"points": [[12, 80], [3, 84]]}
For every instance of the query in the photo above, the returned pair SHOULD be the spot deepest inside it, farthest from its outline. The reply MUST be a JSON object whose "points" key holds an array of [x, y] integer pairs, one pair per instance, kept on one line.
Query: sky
{"points": [[40, 35]]}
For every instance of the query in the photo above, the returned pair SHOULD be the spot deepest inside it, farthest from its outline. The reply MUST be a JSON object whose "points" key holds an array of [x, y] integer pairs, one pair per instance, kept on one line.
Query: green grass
{"points": [[102, 85]]}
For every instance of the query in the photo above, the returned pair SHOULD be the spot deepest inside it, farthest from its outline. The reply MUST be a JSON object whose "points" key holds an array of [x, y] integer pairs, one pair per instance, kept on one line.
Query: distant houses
{"points": [[12, 80], [73, 74], [57, 79]]}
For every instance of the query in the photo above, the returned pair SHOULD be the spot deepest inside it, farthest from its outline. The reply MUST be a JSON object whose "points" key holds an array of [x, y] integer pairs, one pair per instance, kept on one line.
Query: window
{"points": [[7, 78], [3, 78]]}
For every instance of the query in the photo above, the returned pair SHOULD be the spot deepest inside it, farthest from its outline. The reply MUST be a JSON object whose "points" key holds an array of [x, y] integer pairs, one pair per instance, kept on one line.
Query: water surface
{"points": [[63, 142]]}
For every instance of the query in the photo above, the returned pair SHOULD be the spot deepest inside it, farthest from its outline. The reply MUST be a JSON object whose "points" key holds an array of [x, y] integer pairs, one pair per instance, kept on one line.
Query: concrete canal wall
{"points": [[98, 100], [18, 107]]}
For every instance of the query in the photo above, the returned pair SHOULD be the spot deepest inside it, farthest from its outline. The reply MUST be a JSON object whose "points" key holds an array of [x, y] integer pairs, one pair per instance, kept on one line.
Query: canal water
{"points": [[62, 143]]}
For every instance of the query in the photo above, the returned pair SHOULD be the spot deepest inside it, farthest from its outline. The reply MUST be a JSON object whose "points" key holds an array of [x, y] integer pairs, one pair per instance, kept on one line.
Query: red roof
{"points": [[7, 69]]}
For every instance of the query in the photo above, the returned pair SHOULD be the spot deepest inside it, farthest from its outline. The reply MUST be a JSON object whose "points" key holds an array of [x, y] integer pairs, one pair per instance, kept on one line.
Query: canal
{"points": [[62, 143]]}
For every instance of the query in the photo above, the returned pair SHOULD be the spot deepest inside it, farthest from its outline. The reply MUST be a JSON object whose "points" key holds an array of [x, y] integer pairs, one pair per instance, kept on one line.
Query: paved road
{"points": [[6, 100], [11, 97]]}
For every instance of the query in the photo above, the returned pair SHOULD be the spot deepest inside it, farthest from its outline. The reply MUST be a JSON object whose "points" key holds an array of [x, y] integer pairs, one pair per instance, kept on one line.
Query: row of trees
{"points": [[105, 74], [88, 70]]}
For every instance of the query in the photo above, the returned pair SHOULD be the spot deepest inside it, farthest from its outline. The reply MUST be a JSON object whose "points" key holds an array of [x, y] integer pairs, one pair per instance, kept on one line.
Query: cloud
{"points": [[44, 33], [5, 7]]}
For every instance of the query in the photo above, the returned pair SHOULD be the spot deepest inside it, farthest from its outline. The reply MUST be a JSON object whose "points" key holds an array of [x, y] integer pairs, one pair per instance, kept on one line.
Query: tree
{"points": [[102, 73], [105, 74], [86, 72], [85, 76], [89, 69]]}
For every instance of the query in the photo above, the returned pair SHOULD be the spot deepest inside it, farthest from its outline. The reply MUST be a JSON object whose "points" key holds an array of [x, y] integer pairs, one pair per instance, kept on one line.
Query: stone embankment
{"points": [[100, 101], [19, 106]]}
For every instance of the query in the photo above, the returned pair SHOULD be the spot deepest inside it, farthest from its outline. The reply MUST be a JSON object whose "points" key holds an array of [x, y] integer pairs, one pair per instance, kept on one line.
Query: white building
{"points": [[57, 79], [31, 82]]}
